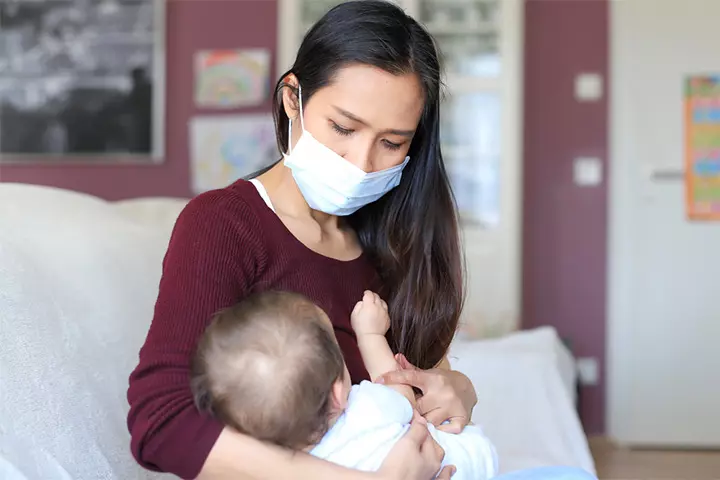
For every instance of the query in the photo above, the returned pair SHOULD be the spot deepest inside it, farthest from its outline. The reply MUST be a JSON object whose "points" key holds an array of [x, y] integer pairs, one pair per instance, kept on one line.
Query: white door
{"points": [[664, 330], [481, 41]]}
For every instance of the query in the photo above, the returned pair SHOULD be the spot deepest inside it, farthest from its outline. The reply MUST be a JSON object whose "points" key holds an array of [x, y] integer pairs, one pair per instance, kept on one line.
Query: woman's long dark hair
{"points": [[411, 233]]}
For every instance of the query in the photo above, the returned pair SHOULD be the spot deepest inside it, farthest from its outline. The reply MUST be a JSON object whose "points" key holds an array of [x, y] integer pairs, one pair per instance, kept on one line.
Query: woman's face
{"points": [[366, 115]]}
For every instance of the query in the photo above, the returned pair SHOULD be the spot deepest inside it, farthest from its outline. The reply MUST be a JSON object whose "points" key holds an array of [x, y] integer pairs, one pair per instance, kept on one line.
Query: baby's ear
{"points": [[201, 394], [339, 395]]}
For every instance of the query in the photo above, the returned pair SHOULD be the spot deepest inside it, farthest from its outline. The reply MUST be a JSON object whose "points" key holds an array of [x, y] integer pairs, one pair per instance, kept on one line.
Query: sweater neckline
{"points": [[266, 209]]}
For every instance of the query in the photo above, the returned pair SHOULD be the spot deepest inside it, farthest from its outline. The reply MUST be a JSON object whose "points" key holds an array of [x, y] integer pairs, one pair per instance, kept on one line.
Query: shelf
{"points": [[461, 2], [450, 29], [459, 84]]}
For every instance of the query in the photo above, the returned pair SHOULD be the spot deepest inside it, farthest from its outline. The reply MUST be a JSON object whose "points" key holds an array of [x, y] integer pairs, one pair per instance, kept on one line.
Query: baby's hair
{"points": [[266, 367]]}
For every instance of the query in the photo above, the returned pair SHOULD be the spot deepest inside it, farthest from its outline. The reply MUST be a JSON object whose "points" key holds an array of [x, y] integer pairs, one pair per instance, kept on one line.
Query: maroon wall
{"points": [[565, 226], [191, 26]]}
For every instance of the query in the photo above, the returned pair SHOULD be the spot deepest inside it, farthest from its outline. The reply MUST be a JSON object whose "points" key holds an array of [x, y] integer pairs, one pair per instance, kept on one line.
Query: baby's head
{"points": [[270, 367]]}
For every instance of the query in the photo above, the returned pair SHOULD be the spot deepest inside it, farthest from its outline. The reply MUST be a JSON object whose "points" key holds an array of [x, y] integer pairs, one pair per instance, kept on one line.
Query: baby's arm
{"points": [[371, 321]]}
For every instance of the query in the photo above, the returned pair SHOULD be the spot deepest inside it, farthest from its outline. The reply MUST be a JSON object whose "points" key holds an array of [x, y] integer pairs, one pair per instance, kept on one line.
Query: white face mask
{"points": [[330, 183]]}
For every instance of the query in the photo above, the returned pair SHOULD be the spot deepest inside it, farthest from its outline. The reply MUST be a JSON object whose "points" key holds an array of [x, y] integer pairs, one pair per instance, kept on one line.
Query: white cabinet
{"points": [[481, 46]]}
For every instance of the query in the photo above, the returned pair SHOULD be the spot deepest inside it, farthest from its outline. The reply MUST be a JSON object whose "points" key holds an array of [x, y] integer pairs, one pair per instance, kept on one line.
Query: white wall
{"points": [[664, 314]]}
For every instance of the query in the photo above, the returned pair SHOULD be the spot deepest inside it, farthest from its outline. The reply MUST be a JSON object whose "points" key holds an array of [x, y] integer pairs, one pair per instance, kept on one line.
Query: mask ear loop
{"points": [[302, 122], [289, 149]]}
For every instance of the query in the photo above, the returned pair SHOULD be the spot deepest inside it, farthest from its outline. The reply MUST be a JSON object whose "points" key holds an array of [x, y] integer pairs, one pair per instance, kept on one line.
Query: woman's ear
{"points": [[290, 96]]}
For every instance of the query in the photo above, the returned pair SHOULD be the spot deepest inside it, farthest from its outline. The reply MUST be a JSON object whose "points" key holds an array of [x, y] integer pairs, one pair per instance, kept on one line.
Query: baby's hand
{"points": [[370, 316]]}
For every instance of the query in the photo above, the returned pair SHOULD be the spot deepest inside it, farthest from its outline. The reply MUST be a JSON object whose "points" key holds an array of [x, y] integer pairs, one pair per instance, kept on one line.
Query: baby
{"points": [[270, 367]]}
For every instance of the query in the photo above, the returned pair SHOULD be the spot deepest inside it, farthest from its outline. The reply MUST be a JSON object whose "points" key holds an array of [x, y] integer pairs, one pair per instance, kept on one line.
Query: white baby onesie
{"points": [[377, 417]]}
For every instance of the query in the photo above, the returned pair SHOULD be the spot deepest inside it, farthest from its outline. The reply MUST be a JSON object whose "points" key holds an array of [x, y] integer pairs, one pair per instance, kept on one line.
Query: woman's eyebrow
{"points": [[345, 113]]}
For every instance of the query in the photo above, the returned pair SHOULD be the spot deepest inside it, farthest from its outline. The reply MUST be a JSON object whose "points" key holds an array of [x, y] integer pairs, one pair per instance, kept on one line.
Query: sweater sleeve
{"points": [[213, 258]]}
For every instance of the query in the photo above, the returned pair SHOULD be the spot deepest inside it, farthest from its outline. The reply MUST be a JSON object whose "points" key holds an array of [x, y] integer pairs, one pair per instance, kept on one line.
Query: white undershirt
{"points": [[263, 193]]}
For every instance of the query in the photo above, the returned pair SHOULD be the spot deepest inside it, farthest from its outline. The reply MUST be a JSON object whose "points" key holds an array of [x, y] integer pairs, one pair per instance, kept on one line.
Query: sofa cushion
{"points": [[77, 287]]}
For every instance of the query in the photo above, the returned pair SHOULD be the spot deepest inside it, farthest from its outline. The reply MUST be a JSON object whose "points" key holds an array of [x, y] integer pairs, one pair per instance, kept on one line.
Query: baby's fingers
{"points": [[369, 297]]}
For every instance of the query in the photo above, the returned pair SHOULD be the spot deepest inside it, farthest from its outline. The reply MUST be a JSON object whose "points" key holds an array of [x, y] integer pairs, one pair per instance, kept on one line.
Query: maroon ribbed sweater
{"points": [[226, 243]]}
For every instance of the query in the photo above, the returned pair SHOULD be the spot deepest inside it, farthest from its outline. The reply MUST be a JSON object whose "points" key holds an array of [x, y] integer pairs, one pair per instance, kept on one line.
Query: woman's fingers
{"points": [[414, 456], [404, 363], [437, 411], [436, 417], [432, 452], [439, 403], [418, 432], [439, 451], [414, 378], [456, 425], [446, 473]]}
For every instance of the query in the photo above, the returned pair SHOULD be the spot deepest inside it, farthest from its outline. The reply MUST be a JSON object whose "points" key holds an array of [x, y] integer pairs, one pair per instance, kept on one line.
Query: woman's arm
{"points": [[239, 457], [214, 255]]}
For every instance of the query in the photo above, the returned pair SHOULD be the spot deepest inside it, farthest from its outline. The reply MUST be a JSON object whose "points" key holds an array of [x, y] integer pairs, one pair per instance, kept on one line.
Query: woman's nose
{"points": [[361, 157]]}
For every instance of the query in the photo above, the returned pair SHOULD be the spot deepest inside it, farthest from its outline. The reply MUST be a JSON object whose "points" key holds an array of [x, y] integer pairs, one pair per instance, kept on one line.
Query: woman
{"points": [[362, 96]]}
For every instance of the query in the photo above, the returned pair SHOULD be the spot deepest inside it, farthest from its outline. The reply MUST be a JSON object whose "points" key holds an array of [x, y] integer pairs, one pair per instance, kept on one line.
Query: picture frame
{"points": [[82, 82]]}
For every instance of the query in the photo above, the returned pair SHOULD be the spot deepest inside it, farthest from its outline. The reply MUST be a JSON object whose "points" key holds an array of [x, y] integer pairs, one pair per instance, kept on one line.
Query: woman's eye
{"points": [[391, 146], [341, 130]]}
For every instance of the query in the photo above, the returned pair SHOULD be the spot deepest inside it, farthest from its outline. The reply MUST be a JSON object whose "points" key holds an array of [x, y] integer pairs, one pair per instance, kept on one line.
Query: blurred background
{"points": [[568, 130]]}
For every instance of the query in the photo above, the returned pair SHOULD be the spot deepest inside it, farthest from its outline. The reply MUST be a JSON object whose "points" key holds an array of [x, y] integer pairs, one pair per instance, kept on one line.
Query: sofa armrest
{"points": [[525, 405]]}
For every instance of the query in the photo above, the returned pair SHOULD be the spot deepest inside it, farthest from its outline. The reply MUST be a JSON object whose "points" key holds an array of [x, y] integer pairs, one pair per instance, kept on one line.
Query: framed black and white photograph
{"points": [[82, 80]]}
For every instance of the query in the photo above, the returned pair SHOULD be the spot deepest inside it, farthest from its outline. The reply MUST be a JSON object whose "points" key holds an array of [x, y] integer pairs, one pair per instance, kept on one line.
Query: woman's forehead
{"points": [[380, 99]]}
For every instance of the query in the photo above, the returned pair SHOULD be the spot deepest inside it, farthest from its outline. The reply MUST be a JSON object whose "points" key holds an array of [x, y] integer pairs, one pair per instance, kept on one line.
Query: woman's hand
{"points": [[446, 395], [235, 456], [416, 456]]}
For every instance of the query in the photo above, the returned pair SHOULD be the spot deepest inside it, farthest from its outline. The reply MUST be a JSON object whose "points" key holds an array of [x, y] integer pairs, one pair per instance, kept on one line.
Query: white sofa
{"points": [[78, 280]]}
